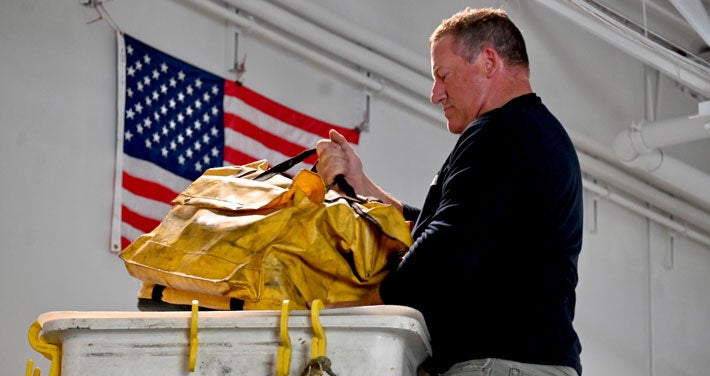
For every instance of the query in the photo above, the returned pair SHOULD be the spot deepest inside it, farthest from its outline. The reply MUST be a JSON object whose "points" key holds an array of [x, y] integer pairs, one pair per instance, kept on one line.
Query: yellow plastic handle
{"points": [[193, 335], [29, 370], [318, 342], [284, 357], [51, 352]]}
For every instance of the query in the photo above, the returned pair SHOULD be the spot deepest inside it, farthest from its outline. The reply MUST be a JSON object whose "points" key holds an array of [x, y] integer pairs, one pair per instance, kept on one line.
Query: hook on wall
{"points": [[98, 6], [90, 3]]}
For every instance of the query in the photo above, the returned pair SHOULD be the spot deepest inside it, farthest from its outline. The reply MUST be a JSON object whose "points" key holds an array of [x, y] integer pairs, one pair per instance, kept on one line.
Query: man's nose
{"points": [[438, 94]]}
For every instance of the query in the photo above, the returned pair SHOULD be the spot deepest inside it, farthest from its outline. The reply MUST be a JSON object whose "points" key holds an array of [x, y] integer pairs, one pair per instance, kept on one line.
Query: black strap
{"points": [[345, 186], [287, 164], [157, 293], [156, 303]]}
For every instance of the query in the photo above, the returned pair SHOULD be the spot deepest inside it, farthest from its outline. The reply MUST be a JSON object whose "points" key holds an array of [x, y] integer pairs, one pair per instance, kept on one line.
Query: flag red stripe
{"points": [[268, 139], [237, 157], [147, 189], [287, 115], [138, 221]]}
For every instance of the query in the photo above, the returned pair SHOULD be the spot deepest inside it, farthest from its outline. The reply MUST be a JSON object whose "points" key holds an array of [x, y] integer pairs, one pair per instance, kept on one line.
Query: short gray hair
{"points": [[475, 29]]}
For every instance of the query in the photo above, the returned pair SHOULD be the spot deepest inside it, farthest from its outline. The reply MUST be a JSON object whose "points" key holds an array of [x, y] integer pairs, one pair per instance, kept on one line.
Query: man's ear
{"points": [[491, 60]]}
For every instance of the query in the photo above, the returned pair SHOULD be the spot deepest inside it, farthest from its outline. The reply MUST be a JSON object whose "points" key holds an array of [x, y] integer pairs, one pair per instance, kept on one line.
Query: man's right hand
{"points": [[337, 157]]}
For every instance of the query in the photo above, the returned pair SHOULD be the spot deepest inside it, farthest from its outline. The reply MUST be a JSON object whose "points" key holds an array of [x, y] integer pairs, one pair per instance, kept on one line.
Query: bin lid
{"points": [[385, 317]]}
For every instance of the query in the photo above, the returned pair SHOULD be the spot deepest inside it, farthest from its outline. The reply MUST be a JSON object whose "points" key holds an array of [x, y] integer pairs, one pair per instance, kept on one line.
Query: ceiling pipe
{"points": [[646, 212], [376, 86], [681, 69], [693, 182], [639, 147], [676, 131], [644, 192], [336, 45], [645, 137], [363, 36], [696, 15]]}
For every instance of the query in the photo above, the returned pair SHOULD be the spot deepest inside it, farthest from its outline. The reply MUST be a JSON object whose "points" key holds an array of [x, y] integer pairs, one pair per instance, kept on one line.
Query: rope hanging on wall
{"points": [[98, 6]]}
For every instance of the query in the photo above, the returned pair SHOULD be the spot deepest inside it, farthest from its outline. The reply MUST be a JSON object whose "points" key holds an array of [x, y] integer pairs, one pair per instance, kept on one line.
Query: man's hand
{"points": [[337, 157]]}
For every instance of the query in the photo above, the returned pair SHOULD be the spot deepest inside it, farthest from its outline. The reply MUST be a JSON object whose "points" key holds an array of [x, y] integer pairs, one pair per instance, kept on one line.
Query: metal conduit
{"points": [[376, 86], [679, 68], [648, 213], [336, 45], [644, 192], [363, 36]]}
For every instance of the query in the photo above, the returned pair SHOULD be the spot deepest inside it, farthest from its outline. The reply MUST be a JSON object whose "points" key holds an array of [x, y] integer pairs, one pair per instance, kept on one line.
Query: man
{"points": [[493, 268]]}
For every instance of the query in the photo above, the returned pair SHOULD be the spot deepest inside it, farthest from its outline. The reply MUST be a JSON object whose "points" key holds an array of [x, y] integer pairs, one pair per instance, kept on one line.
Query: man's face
{"points": [[459, 86]]}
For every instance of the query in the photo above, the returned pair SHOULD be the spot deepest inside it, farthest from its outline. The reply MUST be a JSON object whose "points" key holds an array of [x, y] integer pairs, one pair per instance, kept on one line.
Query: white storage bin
{"points": [[360, 341]]}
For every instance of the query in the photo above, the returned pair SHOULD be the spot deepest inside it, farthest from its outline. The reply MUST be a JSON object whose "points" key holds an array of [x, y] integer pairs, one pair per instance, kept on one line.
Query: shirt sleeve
{"points": [[411, 213]]}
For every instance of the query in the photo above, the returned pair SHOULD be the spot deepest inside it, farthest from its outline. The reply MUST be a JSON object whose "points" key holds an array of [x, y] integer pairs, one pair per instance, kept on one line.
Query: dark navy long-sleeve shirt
{"points": [[493, 268]]}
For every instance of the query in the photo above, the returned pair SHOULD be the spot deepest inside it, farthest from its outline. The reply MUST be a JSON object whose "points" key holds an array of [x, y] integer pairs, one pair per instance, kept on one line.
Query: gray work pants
{"points": [[503, 367]]}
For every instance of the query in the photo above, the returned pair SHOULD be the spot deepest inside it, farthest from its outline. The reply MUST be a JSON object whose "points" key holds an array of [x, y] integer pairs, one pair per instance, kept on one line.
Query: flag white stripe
{"points": [[269, 123], [151, 172], [144, 206], [257, 150], [130, 232]]}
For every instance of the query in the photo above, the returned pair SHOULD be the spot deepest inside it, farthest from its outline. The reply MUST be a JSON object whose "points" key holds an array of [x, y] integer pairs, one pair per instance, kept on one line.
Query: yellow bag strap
{"points": [[194, 341], [284, 355], [318, 343]]}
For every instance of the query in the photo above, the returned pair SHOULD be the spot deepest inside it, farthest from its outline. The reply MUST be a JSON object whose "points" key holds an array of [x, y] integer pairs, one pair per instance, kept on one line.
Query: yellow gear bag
{"points": [[229, 236]]}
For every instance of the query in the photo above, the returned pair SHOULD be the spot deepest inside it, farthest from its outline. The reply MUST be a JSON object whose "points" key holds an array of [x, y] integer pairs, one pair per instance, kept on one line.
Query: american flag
{"points": [[175, 121]]}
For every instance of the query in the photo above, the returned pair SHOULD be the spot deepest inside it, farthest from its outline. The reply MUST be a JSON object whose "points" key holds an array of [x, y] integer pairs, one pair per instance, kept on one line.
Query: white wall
{"points": [[643, 307]]}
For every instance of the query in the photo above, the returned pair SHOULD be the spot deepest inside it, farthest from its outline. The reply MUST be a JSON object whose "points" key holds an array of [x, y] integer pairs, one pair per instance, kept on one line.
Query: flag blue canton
{"points": [[173, 112]]}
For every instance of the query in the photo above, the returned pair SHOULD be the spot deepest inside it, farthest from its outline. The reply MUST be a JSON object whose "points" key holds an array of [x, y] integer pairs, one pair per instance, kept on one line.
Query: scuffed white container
{"points": [[360, 341]]}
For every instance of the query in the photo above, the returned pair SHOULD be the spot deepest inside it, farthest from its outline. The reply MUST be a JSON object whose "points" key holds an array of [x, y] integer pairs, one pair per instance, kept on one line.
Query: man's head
{"points": [[479, 62], [474, 29]]}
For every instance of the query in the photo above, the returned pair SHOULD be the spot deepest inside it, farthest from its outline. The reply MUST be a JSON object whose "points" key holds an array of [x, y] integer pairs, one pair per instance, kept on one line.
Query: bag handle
{"points": [[287, 164]]}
